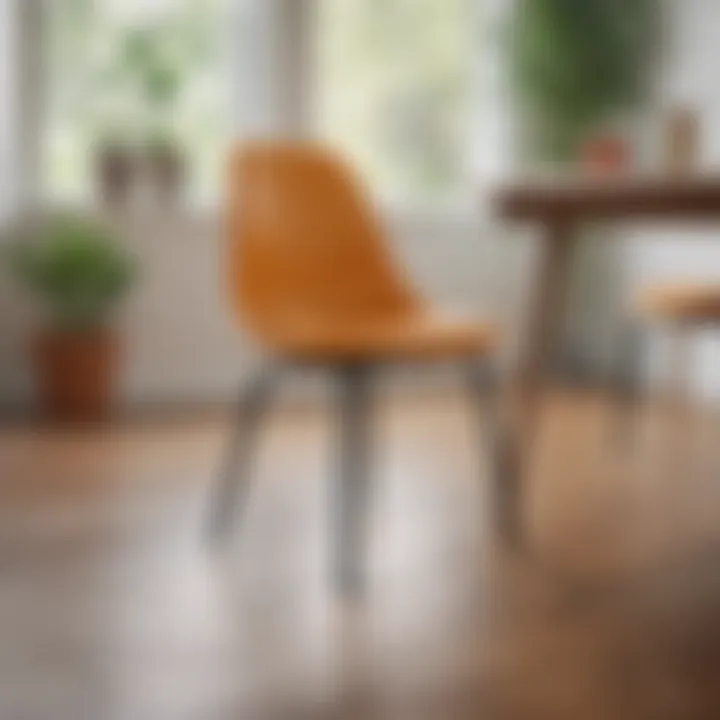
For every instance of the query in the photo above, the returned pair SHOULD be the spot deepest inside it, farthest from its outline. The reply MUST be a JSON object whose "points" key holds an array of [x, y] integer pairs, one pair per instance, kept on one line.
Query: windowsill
{"points": [[463, 213], [199, 210]]}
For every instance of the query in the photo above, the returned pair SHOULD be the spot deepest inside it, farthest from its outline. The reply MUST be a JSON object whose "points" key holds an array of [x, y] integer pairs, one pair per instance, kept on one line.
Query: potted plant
{"points": [[578, 68], [166, 168], [115, 171], [77, 275], [157, 79], [581, 75]]}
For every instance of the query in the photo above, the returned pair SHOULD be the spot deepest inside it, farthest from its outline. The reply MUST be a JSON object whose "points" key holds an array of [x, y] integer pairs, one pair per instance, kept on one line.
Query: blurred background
{"points": [[427, 114], [118, 120], [427, 102]]}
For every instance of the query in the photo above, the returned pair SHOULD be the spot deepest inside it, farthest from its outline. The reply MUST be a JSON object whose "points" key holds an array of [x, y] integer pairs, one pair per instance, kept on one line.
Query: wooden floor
{"points": [[110, 606]]}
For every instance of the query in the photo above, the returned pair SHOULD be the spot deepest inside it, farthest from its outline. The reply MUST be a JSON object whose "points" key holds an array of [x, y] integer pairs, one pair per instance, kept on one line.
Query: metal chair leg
{"points": [[628, 388], [505, 486], [352, 486], [681, 370], [231, 492], [679, 416]]}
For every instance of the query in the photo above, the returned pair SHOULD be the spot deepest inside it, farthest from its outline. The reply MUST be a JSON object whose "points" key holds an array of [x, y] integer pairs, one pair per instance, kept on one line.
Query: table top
{"points": [[610, 195]]}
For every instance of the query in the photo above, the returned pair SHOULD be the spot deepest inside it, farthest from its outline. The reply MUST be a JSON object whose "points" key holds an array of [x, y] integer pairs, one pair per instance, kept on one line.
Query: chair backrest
{"points": [[305, 245]]}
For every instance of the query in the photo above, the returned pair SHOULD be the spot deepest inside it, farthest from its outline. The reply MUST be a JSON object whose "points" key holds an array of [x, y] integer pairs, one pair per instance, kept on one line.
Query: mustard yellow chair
{"points": [[312, 281], [684, 303], [680, 307]]}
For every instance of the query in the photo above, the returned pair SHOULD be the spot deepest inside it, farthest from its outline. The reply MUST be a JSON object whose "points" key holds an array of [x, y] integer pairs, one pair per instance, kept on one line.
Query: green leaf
{"points": [[576, 63], [74, 269]]}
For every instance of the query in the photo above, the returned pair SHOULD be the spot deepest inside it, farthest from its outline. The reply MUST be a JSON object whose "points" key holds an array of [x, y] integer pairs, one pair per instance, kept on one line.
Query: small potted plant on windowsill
{"points": [[77, 275], [115, 170], [157, 76], [166, 168]]}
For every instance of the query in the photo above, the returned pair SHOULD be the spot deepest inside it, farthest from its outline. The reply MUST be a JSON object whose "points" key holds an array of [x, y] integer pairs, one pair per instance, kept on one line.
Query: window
{"points": [[394, 92], [134, 71]]}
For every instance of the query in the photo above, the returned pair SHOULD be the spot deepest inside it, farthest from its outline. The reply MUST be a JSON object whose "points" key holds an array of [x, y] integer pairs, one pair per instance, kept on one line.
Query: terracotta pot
{"points": [[76, 374], [607, 153], [115, 173]]}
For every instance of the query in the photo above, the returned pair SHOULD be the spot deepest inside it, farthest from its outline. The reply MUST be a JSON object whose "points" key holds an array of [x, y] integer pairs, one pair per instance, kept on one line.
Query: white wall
{"points": [[183, 342]]}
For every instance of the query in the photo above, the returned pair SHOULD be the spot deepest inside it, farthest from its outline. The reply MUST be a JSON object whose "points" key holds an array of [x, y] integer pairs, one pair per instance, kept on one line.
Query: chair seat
{"points": [[682, 301], [418, 337]]}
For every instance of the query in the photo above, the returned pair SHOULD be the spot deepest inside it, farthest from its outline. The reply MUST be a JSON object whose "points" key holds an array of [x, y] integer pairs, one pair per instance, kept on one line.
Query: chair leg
{"points": [[680, 391], [680, 372], [628, 388], [230, 494], [505, 487], [352, 486]]}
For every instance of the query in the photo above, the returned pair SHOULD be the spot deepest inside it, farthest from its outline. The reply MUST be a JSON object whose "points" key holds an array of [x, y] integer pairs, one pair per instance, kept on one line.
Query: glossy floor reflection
{"points": [[110, 606]]}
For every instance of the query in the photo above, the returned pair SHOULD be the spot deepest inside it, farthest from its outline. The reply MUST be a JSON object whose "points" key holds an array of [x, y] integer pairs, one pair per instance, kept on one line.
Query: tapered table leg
{"points": [[540, 339]]}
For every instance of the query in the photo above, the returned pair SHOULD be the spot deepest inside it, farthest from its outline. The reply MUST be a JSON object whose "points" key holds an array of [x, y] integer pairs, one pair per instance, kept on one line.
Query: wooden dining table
{"points": [[559, 205]]}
